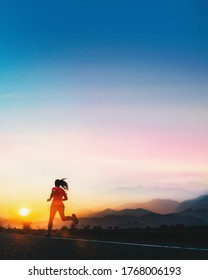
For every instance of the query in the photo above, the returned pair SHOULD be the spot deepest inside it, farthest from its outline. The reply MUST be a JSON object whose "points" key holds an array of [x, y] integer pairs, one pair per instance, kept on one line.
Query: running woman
{"points": [[58, 195]]}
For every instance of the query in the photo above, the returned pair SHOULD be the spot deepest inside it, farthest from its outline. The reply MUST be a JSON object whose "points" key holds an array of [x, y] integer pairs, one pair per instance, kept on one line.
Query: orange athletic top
{"points": [[58, 195]]}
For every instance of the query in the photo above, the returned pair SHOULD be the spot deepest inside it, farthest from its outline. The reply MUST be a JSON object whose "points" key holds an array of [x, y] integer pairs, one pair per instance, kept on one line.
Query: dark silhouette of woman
{"points": [[58, 194]]}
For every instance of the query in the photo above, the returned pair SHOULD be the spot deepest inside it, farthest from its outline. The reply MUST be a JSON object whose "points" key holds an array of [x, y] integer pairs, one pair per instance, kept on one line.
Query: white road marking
{"points": [[140, 244], [126, 243]]}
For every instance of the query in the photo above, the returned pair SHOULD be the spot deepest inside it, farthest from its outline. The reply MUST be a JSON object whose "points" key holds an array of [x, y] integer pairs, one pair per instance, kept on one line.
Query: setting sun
{"points": [[24, 211]]}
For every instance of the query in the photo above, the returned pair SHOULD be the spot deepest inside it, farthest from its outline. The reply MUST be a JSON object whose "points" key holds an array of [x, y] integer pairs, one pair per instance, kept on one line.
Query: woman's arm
{"points": [[51, 196], [65, 197]]}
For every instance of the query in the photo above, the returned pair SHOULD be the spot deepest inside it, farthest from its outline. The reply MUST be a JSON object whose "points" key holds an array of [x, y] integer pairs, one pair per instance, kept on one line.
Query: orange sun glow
{"points": [[24, 212]]}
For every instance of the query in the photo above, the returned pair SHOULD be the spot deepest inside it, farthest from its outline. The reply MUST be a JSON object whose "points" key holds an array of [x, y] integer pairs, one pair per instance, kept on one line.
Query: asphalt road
{"points": [[26, 247]]}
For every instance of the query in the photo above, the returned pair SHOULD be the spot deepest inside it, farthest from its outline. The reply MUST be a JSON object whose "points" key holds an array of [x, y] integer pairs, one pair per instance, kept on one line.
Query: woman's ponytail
{"points": [[62, 183]]}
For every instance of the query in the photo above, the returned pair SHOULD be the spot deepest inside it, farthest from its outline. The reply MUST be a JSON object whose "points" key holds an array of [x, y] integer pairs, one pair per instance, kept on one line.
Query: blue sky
{"points": [[138, 30], [116, 88], [46, 44], [166, 37]]}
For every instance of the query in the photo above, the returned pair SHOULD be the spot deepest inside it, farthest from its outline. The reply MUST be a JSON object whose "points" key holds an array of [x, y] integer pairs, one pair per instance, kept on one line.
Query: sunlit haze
{"points": [[111, 96], [24, 212]]}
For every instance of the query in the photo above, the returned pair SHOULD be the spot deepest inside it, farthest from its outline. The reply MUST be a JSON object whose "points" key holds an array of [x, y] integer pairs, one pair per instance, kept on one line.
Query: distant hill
{"points": [[100, 214], [128, 221], [113, 221], [161, 206], [124, 212], [199, 202], [199, 213]]}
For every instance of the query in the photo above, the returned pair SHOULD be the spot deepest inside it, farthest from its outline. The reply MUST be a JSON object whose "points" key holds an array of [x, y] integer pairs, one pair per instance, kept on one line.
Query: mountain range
{"points": [[190, 212], [199, 202], [154, 213], [161, 206]]}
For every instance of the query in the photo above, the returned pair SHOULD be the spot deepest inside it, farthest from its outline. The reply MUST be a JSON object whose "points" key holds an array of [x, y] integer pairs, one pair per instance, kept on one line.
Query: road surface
{"points": [[31, 247]]}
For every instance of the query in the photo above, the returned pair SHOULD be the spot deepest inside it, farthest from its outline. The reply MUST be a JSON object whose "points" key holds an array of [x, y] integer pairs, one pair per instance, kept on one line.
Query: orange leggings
{"points": [[60, 209]]}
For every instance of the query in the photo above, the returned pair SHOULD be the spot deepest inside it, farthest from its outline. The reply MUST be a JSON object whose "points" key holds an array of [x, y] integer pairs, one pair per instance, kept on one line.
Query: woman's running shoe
{"points": [[75, 219]]}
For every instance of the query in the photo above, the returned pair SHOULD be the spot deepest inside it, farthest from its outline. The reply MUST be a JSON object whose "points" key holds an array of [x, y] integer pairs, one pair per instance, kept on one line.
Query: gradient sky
{"points": [[109, 94]]}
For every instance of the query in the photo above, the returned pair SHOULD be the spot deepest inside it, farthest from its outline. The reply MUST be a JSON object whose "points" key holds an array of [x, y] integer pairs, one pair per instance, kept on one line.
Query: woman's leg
{"points": [[62, 215], [53, 210]]}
